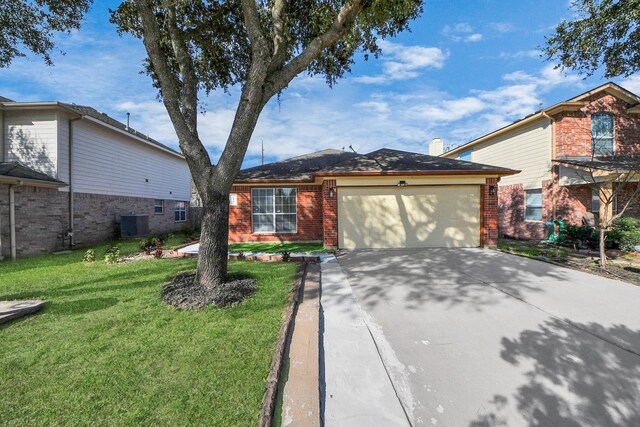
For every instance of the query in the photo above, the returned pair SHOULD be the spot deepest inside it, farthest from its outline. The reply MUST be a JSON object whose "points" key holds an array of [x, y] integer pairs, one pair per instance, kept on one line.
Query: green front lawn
{"points": [[107, 351], [271, 248]]}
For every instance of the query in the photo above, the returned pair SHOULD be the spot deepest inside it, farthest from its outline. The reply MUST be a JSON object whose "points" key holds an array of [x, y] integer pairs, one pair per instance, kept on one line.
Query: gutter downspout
{"points": [[555, 175], [12, 219], [71, 204]]}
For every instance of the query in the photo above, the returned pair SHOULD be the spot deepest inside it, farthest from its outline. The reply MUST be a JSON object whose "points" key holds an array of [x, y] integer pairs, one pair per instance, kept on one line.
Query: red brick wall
{"points": [[330, 214], [490, 213], [309, 212], [573, 129], [511, 206], [623, 197]]}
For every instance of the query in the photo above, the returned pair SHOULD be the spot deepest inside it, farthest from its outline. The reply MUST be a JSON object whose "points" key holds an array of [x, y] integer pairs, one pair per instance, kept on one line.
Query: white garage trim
{"points": [[409, 217]]}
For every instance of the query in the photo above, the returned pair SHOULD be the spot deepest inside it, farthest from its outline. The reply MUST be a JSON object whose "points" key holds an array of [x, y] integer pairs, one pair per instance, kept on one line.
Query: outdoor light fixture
{"points": [[402, 183], [331, 192], [493, 190]]}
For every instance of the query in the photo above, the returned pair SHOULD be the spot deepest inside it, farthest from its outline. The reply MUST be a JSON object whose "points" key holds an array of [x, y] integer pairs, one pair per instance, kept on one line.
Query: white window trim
{"points": [[613, 132], [175, 209], [541, 206], [161, 207], [274, 232]]}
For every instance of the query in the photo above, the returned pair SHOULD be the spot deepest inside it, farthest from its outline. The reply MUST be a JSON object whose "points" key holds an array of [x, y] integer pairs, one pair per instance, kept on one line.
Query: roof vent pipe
{"points": [[436, 147], [128, 115]]}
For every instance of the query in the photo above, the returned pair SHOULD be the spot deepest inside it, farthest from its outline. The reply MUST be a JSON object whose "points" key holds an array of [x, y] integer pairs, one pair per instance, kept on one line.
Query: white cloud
{"points": [[461, 32], [632, 83], [475, 37], [401, 62], [532, 53], [548, 78], [501, 27]]}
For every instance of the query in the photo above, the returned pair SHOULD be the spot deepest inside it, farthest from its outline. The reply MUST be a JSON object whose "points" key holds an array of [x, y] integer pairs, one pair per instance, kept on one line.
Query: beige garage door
{"points": [[409, 217]]}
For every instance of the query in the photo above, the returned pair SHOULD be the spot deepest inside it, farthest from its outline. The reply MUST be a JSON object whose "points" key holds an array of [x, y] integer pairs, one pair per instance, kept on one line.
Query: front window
{"points": [[274, 210], [180, 212], [158, 207], [602, 137], [533, 210]]}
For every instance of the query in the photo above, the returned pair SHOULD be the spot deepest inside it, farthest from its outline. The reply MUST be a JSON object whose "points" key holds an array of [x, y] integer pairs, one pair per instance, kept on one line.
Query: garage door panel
{"points": [[393, 217]]}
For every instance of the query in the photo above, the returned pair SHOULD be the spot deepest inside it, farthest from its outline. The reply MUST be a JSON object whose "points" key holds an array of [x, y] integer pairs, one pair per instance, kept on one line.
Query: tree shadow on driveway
{"points": [[447, 276], [577, 378]]}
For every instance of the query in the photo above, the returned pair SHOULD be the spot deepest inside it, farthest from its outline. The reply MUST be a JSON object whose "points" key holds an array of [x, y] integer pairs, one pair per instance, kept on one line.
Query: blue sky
{"points": [[467, 68]]}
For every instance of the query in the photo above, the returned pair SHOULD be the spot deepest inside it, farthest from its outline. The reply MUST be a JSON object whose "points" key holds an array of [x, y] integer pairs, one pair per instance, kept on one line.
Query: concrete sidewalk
{"points": [[357, 389]]}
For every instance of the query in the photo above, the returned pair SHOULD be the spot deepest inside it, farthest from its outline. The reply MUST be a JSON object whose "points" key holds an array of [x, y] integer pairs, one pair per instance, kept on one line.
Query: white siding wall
{"points": [[31, 139], [107, 162], [527, 149]]}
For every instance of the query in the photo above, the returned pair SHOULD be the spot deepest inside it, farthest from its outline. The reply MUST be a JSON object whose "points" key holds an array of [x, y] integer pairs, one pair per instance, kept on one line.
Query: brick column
{"points": [[330, 214], [489, 209]]}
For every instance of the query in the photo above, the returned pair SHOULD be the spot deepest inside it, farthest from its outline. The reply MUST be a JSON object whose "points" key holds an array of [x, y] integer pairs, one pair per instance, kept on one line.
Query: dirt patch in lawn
{"points": [[184, 294]]}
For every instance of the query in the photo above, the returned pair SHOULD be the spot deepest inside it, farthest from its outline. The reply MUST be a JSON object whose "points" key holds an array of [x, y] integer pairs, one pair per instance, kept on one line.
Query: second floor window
{"points": [[602, 138]]}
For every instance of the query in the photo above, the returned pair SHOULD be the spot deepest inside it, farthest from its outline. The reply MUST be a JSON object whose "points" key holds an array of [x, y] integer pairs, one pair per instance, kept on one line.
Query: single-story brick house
{"points": [[550, 147], [68, 173], [383, 199]]}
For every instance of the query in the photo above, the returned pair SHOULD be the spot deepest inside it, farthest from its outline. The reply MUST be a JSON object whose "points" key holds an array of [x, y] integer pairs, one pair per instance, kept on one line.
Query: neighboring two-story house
{"points": [[551, 147], [68, 173]]}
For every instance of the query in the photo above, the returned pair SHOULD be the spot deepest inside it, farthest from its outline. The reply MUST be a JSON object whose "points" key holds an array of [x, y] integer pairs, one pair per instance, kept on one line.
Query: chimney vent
{"points": [[436, 147]]}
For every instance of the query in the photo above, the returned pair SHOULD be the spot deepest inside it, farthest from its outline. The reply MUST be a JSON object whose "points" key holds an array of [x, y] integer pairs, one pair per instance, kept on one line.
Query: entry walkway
{"points": [[357, 389]]}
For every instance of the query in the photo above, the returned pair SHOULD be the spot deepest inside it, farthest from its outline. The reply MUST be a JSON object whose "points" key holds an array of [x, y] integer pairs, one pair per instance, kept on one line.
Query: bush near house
{"points": [[624, 235], [106, 351]]}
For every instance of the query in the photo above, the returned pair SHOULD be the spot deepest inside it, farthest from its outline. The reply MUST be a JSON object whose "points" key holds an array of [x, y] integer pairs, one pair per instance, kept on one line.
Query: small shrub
{"points": [[625, 234], [89, 256], [150, 244], [630, 240], [580, 236], [190, 233], [112, 255], [286, 256], [241, 255], [157, 253], [117, 231]]}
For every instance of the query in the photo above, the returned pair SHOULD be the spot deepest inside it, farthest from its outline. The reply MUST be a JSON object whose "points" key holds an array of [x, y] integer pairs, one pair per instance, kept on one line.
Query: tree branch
{"points": [[187, 71], [195, 153], [279, 38], [341, 25], [254, 29]]}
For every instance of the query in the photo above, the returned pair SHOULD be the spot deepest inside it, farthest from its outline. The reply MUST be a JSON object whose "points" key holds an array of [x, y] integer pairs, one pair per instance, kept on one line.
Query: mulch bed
{"points": [[184, 294]]}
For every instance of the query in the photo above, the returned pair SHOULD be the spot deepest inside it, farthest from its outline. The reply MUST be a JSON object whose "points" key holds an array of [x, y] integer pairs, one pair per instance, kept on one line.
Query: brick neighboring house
{"points": [[68, 173], [384, 199], [550, 147]]}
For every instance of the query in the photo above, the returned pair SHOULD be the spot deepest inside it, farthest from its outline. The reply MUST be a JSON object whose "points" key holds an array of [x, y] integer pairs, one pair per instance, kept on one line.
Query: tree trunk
{"points": [[603, 253], [214, 236]]}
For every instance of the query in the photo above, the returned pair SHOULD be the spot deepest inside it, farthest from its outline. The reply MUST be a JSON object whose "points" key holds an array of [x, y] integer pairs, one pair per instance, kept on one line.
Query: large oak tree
{"points": [[603, 33], [30, 25], [198, 46]]}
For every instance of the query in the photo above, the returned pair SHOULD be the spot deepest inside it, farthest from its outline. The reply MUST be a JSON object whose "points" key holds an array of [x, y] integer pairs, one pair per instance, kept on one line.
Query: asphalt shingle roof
{"points": [[296, 168], [340, 162], [388, 160], [3, 99], [16, 170]]}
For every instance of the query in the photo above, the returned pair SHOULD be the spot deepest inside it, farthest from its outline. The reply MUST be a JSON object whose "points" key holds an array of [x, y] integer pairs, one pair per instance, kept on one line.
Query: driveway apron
{"points": [[472, 337]]}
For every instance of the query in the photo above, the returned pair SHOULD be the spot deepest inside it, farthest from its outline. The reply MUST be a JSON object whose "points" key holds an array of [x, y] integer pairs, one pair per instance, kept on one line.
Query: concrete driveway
{"points": [[472, 337]]}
